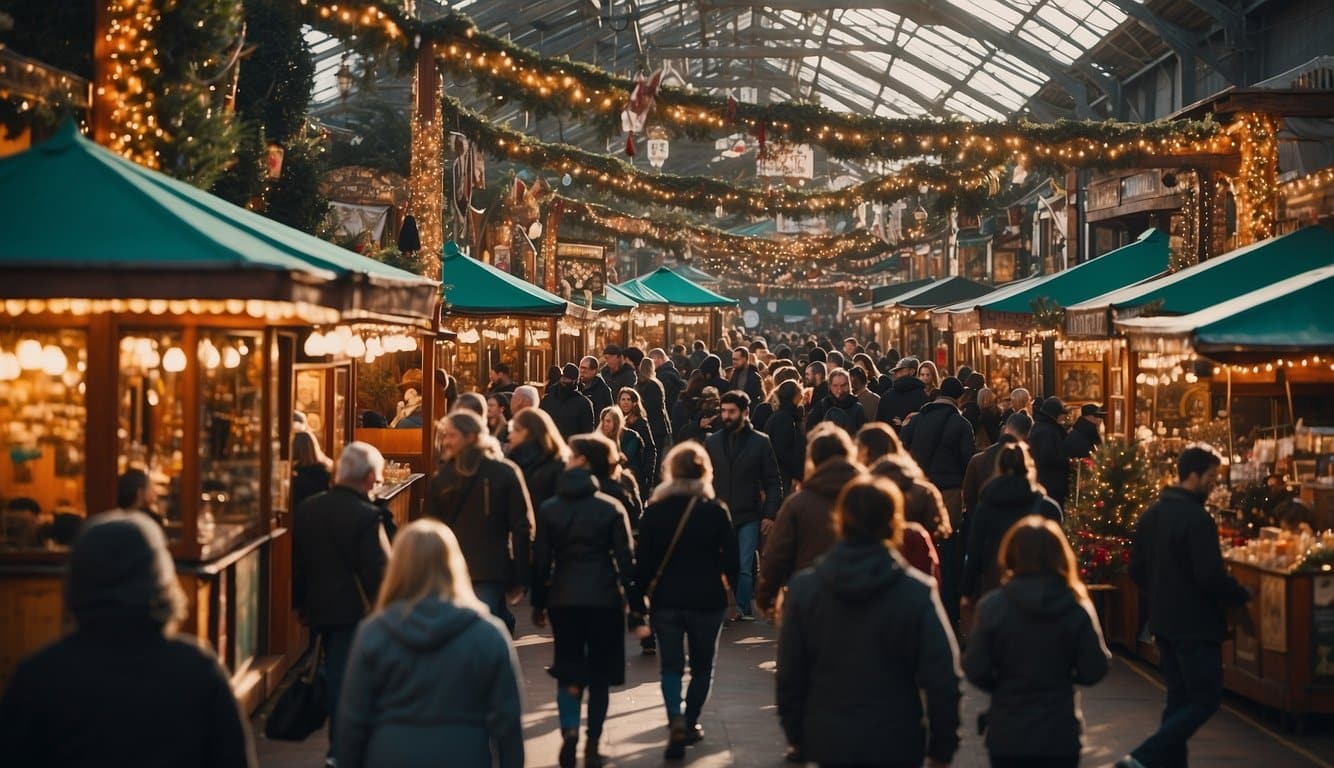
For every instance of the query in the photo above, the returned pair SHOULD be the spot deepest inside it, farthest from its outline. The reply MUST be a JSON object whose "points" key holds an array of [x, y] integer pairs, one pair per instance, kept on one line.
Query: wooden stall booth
{"points": [[161, 335], [911, 313], [874, 321], [648, 321], [616, 310], [693, 313], [500, 318]]}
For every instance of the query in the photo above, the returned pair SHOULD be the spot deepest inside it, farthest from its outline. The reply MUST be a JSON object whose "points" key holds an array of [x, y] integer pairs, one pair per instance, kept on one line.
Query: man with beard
{"points": [[568, 407], [617, 373], [593, 386], [842, 408], [819, 392], [1177, 563], [744, 375], [746, 479], [904, 397], [481, 496], [670, 376]]}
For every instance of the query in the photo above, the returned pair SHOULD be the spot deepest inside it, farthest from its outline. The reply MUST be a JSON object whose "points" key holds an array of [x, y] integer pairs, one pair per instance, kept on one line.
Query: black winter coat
{"points": [[625, 377], [337, 543], [853, 415], [1177, 564], [122, 693], [645, 464], [1046, 441], [905, 396], [571, 410], [597, 391], [652, 396], [1032, 642], [863, 636], [540, 471], [787, 433], [753, 386], [491, 515], [745, 474], [308, 481], [705, 555], [1082, 439], [815, 413], [582, 554], [1003, 502], [625, 489], [672, 384], [941, 442], [430, 679], [759, 415]]}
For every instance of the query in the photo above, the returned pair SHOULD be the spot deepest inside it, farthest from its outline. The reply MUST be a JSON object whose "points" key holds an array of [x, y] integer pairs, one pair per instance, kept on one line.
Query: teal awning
{"points": [[1211, 282], [680, 292], [1291, 316], [694, 274], [473, 287], [75, 208], [943, 292], [615, 300], [640, 293], [996, 294], [1127, 265]]}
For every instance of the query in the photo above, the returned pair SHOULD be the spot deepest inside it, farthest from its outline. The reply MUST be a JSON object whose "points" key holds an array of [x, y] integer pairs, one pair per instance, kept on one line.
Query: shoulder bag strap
{"points": [[671, 548]]}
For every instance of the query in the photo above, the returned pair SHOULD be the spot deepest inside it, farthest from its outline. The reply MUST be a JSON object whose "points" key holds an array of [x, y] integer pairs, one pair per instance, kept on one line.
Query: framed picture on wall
{"points": [[1080, 381]]}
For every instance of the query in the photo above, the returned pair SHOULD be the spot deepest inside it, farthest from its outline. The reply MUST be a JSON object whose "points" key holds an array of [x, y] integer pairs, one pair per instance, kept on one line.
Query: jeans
{"points": [[337, 646], [1193, 671], [678, 630], [748, 541], [493, 594]]}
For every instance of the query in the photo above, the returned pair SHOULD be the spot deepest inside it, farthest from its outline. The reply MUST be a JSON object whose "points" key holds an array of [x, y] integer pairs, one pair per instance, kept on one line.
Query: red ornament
{"points": [[729, 110], [630, 145], [760, 134]]}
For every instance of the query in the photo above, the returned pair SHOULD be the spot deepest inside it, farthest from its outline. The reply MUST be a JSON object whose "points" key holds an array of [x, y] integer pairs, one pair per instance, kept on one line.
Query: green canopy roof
{"points": [[996, 294], [881, 295], [1129, 264], [473, 287], [143, 234], [1289, 316], [694, 274], [678, 291], [948, 290], [615, 300], [1216, 280], [640, 292]]}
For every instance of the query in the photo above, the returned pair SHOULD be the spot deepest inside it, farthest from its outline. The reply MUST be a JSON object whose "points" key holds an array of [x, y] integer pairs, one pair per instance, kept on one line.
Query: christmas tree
{"points": [[1109, 490]]}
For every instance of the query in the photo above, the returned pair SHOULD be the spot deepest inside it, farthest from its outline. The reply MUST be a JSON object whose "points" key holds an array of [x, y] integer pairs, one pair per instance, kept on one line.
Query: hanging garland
{"points": [[698, 193], [560, 86]]}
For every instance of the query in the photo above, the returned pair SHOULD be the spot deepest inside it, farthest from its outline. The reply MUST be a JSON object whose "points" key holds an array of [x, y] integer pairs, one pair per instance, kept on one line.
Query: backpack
{"points": [[838, 417]]}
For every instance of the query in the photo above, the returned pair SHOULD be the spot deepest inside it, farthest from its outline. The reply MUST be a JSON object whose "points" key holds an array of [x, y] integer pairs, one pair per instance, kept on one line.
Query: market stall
{"points": [[873, 321], [693, 313], [1149, 388], [169, 349], [648, 322], [911, 313], [615, 312], [501, 318]]}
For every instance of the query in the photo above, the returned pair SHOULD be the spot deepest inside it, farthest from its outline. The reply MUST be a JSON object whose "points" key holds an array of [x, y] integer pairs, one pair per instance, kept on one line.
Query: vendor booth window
{"points": [[231, 433], [150, 429], [42, 416], [390, 404]]}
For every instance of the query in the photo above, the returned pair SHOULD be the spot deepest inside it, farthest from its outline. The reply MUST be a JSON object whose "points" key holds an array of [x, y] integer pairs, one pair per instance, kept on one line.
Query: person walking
{"points": [[817, 390], [635, 419], [745, 376], [616, 370], [430, 634], [539, 452], [760, 412], [712, 368], [312, 471], [583, 582], [1084, 437], [803, 530], [482, 498], [941, 442], [629, 444], [339, 551], [498, 416], [1046, 440], [904, 397], [982, 467], [653, 398], [569, 408], [123, 688], [687, 557], [840, 407], [864, 643], [1011, 495], [593, 386], [747, 481], [1176, 562], [862, 391], [787, 432], [669, 374], [930, 376], [1033, 640]]}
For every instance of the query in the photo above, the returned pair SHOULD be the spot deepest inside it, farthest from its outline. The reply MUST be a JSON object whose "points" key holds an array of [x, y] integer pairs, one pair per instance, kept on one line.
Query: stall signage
{"points": [[1104, 195], [787, 160], [581, 270], [1322, 627], [1093, 323], [1145, 184]]}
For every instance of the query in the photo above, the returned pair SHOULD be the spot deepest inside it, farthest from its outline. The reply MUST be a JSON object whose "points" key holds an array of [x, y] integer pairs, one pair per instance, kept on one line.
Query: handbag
{"points": [[666, 558], [301, 709]]}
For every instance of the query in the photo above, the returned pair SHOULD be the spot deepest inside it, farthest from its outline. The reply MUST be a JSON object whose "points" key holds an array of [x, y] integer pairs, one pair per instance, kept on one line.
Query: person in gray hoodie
{"points": [[1033, 641], [432, 675]]}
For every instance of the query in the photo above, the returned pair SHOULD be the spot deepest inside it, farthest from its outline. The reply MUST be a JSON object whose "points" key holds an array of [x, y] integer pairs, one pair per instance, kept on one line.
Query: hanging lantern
{"points": [[658, 147]]}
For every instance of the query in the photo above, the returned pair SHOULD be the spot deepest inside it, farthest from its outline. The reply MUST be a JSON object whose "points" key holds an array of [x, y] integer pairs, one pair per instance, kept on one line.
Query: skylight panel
{"points": [[998, 13], [927, 84]]}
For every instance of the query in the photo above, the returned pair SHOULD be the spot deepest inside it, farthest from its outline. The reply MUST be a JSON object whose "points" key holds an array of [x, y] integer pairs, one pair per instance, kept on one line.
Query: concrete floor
{"points": [[742, 725]]}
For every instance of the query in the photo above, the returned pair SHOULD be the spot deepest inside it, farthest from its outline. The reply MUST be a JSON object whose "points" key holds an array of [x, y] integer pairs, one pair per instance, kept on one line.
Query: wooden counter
{"points": [[403, 498]]}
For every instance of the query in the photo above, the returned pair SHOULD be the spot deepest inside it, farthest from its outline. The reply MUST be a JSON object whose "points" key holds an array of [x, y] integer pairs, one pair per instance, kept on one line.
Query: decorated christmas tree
{"points": [[1108, 491]]}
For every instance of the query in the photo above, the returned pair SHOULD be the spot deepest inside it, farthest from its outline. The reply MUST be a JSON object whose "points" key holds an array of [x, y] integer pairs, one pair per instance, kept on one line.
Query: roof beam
{"points": [[1221, 11], [762, 51], [1185, 43], [932, 106]]}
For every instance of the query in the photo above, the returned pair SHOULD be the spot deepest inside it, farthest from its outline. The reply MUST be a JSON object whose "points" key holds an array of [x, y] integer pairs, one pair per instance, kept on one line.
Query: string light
{"points": [[426, 180], [32, 81], [1257, 178], [132, 66]]}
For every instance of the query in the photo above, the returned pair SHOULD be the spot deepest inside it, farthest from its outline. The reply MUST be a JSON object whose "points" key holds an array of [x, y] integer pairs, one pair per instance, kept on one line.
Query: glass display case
{"points": [[231, 376], [150, 427]]}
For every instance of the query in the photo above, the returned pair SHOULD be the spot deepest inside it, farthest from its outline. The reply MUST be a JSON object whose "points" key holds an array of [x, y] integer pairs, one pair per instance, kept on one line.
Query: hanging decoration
{"points": [[559, 86], [635, 114], [1256, 183], [699, 193]]}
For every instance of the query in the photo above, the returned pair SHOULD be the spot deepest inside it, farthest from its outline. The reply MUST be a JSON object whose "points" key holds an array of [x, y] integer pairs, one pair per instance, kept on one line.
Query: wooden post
{"points": [[426, 182]]}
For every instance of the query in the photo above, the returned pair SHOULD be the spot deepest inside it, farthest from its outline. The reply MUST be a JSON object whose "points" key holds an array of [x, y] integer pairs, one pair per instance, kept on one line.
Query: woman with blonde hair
{"points": [[538, 449], [1033, 641], [430, 635], [687, 560], [312, 471]]}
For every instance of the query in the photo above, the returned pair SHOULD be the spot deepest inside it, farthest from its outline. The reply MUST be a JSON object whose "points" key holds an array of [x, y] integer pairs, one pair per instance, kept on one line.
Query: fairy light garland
{"points": [[131, 49], [548, 85], [699, 193], [426, 179], [1257, 179]]}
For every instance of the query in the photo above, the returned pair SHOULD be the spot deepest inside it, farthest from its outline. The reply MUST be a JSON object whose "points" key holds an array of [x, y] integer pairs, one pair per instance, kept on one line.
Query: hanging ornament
{"points": [[730, 109], [761, 135], [636, 110], [630, 145]]}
